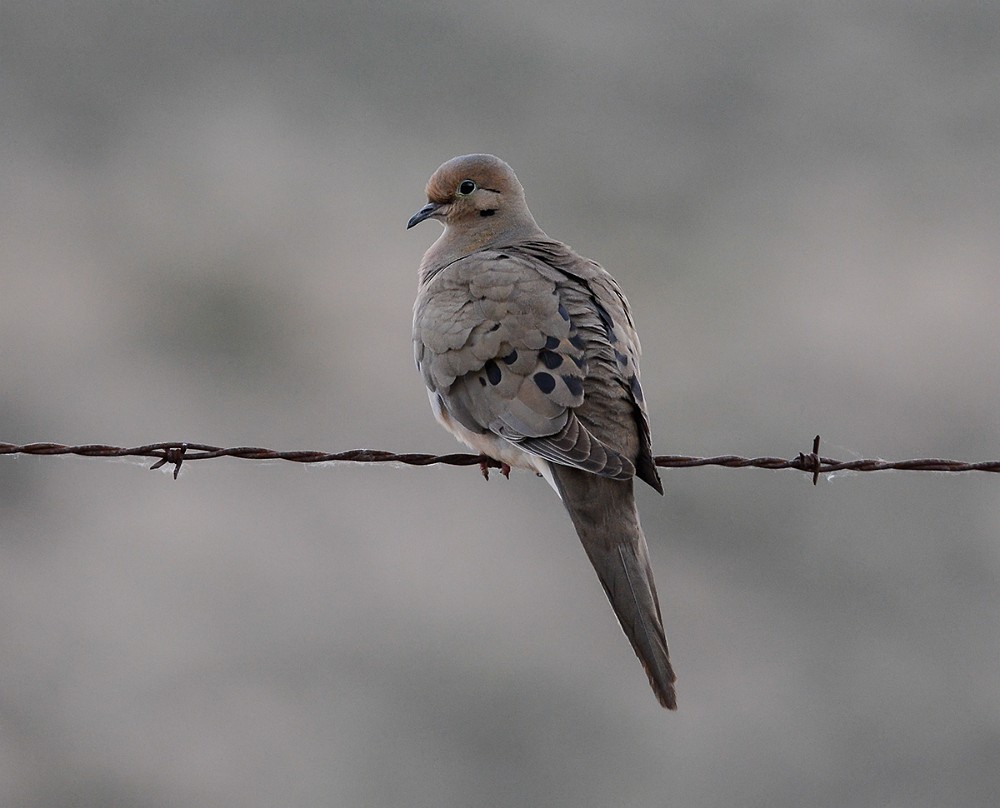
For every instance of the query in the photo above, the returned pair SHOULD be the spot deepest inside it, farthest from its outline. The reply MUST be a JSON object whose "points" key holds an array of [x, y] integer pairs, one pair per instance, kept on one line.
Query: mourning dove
{"points": [[530, 356]]}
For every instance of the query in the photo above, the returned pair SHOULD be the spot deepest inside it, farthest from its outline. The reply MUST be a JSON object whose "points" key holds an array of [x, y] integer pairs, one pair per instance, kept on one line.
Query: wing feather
{"points": [[537, 345]]}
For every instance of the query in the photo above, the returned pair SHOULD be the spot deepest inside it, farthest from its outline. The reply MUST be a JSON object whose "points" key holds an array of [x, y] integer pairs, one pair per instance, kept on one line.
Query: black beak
{"points": [[425, 212]]}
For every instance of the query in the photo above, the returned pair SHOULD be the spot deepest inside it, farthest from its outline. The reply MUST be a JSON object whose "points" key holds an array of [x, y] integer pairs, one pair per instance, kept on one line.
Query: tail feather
{"points": [[604, 514]]}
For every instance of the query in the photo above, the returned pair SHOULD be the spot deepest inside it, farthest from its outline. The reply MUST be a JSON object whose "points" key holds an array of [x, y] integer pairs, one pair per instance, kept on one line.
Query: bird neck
{"points": [[457, 242]]}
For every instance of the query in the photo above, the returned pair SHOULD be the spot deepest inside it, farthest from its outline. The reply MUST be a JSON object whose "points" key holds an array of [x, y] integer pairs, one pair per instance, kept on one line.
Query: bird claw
{"points": [[486, 464]]}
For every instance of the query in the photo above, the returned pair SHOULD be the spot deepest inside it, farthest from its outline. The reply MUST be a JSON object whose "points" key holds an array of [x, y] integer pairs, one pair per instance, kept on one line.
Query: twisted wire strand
{"points": [[177, 453]]}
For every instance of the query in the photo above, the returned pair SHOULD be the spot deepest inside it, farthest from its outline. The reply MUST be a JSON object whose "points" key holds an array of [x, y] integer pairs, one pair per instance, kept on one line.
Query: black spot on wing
{"points": [[551, 343], [511, 358], [606, 321], [633, 383], [563, 313], [492, 371], [550, 359], [578, 342], [546, 383], [574, 384]]}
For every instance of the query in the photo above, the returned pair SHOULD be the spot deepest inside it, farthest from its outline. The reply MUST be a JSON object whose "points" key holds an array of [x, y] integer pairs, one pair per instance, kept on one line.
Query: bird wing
{"points": [[536, 344]]}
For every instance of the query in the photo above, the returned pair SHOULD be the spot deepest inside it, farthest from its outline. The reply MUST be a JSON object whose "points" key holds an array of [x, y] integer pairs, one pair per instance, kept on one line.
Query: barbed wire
{"points": [[176, 454]]}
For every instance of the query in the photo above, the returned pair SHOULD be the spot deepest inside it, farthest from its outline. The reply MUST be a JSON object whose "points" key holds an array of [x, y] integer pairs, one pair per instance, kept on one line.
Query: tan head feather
{"points": [[485, 170]]}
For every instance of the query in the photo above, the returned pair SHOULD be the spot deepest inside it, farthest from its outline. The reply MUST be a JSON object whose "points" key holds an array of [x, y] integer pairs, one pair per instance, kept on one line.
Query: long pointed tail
{"points": [[604, 514]]}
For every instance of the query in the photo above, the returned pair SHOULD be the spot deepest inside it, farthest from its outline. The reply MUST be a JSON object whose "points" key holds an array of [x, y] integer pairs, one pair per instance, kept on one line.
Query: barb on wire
{"points": [[176, 454]]}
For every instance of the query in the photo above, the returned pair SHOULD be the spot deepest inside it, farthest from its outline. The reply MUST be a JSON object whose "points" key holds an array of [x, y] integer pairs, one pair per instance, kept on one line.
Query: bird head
{"points": [[473, 192]]}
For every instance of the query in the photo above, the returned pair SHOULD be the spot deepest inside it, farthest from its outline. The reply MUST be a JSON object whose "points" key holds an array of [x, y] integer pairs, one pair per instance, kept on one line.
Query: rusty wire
{"points": [[176, 454]]}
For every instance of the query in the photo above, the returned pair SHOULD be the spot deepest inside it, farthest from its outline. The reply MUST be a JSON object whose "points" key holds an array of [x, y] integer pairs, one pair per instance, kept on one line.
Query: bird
{"points": [[530, 356]]}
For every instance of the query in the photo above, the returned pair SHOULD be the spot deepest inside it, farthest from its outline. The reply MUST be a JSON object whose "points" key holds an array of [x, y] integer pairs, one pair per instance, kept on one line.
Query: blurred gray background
{"points": [[202, 209]]}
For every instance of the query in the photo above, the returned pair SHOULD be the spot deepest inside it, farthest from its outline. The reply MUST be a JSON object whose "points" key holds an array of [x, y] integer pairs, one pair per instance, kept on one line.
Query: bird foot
{"points": [[486, 465]]}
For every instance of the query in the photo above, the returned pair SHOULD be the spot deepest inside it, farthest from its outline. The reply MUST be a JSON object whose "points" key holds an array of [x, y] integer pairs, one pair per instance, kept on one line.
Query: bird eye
{"points": [[466, 187]]}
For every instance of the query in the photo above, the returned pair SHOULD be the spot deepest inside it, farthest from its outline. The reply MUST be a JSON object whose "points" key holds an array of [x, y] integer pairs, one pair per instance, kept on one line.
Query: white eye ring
{"points": [[466, 187]]}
